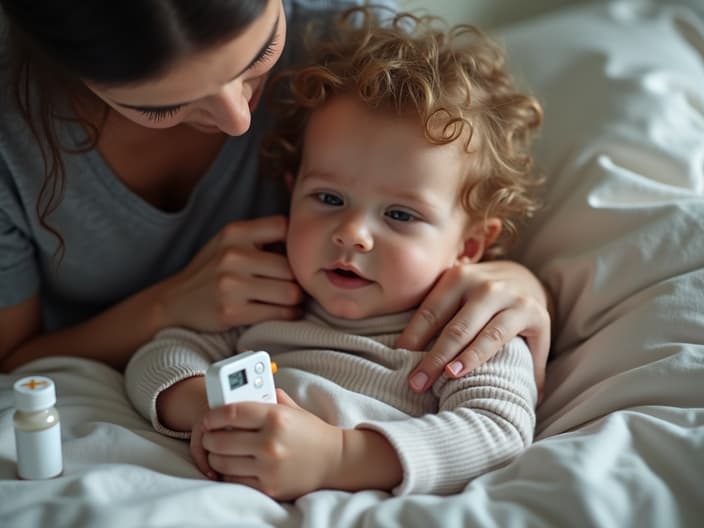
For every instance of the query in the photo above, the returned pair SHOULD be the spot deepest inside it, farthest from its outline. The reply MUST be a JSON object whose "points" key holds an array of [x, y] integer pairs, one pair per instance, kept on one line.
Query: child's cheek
{"points": [[411, 271]]}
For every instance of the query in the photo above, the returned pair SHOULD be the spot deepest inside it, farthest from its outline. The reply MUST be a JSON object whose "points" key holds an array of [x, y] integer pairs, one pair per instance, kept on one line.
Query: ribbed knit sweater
{"points": [[348, 373]]}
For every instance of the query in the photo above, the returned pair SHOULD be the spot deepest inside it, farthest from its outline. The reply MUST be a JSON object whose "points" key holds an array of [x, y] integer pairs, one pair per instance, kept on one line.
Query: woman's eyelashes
{"points": [[159, 114], [167, 112], [268, 53]]}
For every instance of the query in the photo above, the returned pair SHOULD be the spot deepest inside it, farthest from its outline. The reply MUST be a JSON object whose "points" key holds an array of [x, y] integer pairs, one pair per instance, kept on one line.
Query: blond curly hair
{"points": [[452, 78]]}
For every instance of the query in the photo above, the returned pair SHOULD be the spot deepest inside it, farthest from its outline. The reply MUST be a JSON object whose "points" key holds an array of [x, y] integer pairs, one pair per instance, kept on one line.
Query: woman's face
{"points": [[212, 91]]}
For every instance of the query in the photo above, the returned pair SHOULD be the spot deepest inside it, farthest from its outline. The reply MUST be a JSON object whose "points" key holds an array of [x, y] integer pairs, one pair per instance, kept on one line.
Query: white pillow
{"points": [[621, 240]]}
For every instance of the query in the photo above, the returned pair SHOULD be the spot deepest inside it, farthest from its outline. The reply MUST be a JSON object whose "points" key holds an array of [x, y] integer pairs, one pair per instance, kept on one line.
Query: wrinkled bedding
{"points": [[620, 242]]}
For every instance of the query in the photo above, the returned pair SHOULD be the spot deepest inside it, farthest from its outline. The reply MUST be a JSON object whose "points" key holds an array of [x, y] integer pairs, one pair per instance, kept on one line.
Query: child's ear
{"points": [[479, 237]]}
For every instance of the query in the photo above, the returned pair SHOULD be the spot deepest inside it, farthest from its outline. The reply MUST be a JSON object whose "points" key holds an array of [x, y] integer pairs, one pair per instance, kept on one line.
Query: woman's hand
{"points": [[473, 310], [281, 450], [234, 281]]}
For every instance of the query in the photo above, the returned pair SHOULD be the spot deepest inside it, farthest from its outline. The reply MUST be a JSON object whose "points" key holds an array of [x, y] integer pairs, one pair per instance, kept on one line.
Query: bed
{"points": [[620, 242]]}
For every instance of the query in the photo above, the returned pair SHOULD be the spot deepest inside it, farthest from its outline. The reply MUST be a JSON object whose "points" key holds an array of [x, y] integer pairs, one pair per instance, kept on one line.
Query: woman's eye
{"points": [[401, 216], [268, 52], [329, 199], [159, 114]]}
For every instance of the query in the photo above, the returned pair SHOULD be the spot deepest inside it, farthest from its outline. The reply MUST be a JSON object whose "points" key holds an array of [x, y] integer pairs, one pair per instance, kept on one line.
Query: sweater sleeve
{"points": [[484, 420], [172, 356]]}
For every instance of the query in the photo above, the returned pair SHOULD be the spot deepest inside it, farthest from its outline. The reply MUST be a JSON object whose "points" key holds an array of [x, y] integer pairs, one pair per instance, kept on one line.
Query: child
{"points": [[409, 150]]}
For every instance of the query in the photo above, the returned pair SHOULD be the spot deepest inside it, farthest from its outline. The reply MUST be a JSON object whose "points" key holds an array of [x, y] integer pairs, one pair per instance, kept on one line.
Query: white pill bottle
{"points": [[37, 429]]}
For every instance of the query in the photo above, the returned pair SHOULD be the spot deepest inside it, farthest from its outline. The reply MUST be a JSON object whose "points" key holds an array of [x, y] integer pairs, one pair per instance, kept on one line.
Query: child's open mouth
{"points": [[347, 279], [345, 273]]}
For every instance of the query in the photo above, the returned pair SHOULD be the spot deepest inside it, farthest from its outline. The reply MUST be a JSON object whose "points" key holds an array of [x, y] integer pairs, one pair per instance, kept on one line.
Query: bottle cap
{"points": [[34, 393]]}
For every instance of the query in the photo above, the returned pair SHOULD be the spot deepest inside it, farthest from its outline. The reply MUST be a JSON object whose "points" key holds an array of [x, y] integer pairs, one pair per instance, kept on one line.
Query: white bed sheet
{"points": [[621, 243]]}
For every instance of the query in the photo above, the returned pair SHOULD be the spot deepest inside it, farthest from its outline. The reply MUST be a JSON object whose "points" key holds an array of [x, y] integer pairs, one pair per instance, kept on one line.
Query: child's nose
{"points": [[353, 232]]}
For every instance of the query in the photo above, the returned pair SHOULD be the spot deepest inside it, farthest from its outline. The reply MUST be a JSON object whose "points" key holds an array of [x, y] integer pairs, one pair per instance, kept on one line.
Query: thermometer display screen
{"points": [[237, 379]]}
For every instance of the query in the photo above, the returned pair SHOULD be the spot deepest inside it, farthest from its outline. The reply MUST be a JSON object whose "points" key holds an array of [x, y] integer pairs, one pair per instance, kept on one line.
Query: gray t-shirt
{"points": [[116, 243]]}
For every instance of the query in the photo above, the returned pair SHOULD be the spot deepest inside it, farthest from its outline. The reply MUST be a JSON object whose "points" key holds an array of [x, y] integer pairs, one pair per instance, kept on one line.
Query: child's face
{"points": [[375, 217]]}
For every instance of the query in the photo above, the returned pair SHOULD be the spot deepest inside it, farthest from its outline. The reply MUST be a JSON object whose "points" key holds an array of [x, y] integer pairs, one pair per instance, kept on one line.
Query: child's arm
{"points": [[286, 451], [164, 379], [485, 420]]}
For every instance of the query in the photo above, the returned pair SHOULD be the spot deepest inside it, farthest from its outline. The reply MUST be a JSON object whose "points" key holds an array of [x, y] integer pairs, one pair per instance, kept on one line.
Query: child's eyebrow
{"points": [[414, 198], [316, 174]]}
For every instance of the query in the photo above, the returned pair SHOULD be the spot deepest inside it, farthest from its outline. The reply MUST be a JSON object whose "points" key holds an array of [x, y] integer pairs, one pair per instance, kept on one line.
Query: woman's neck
{"points": [[162, 166]]}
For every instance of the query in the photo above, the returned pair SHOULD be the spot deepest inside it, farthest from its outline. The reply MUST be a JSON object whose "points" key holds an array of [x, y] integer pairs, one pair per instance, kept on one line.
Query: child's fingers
{"points": [[283, 398], [200, 455], [235, 466], [244, 415], [233, 442]]}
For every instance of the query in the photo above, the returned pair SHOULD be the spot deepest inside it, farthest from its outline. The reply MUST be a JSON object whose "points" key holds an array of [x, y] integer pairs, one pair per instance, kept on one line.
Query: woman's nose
{"points": [[230, 110], [353, 232]]}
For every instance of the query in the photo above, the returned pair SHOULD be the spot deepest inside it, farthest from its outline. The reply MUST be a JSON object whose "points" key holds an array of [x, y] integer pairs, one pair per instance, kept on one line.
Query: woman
{"points": [[129, 193]]}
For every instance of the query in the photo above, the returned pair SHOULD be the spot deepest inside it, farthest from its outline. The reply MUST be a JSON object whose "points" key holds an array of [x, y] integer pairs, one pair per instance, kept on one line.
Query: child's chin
{"points": [[347, 310]]}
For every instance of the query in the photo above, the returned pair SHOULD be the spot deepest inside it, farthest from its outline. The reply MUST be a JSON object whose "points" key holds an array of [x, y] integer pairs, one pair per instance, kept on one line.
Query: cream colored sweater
{"points": [[348, 373]]}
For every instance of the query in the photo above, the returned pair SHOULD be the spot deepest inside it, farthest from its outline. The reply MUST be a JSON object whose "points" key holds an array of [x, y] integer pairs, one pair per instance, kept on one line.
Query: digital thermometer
{"points": [[244, 377]]}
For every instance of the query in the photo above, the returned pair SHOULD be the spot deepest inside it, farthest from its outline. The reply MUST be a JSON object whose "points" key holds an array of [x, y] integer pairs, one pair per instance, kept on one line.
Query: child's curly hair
{"points": [[453, 79]]}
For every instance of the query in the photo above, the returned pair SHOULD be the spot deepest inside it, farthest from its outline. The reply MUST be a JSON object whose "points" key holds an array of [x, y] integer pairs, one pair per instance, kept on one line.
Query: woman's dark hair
{"points": [[52, 46]]}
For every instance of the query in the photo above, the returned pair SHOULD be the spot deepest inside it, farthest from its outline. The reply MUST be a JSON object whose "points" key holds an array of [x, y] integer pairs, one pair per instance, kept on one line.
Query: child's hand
{"points": [[281, 450], [199, 454]]}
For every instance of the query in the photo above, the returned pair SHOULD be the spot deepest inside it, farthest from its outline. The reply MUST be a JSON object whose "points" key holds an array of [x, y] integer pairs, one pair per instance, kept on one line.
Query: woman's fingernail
{"points": [[419, 380], [455, 367]]}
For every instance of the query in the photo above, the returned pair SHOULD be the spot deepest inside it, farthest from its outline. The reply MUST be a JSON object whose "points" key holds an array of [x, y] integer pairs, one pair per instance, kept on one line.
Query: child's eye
{"points": [[157, 114], [329, 199], [401, 216]]}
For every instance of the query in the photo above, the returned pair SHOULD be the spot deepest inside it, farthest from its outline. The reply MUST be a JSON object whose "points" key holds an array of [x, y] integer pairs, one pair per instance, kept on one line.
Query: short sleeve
{"points": [[19, 277]]}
